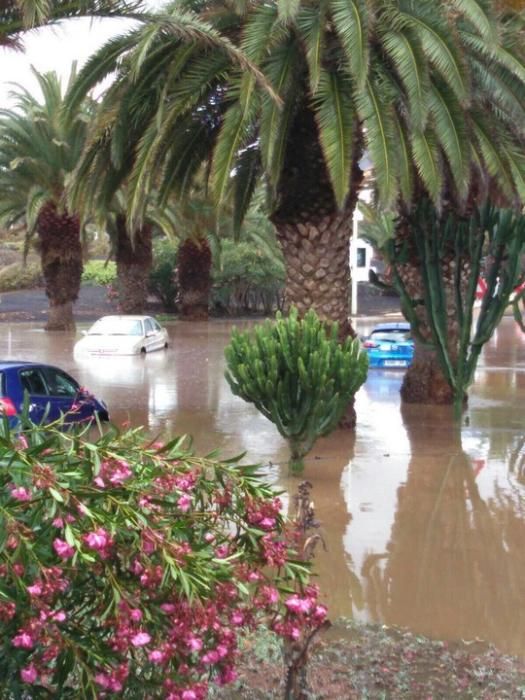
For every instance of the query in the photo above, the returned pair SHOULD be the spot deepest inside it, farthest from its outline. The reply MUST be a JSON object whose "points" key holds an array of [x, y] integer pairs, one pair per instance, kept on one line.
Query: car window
{"points": [[2, 384], [156, 325], [116, 326], [60, 383], [392, 336], [148, 323], [33, 381]]}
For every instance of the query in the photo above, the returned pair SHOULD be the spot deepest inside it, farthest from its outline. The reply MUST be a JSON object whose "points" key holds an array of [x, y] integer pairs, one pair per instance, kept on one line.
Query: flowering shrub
{"points": [[131, 568]]}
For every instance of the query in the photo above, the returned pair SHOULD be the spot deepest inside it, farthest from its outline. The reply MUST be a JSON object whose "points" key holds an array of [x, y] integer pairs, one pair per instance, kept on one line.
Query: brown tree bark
{"points": [[61, 258], [194, 279], [134, 259], [314, 233]]}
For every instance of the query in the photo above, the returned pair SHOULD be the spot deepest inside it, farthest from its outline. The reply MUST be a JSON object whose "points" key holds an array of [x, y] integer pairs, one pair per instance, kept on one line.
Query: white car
{"points": [[123, 335]]}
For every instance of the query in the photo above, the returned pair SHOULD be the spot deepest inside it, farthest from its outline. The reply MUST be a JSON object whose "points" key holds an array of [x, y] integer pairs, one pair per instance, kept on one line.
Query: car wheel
{"points": [[165, 346], [142, 351]]}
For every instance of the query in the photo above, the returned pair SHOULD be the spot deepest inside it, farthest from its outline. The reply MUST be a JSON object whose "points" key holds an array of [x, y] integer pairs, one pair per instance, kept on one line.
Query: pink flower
{"points": [[212, 657], [136, 614], [140, 639], [35, 589], [23, 640], [194, 643], [29, 674], [62, 548], [298, 605], [99, 481], [99, 539], [156, 656], [237, 618], [20, 493], [184, 503], [120, 474]]}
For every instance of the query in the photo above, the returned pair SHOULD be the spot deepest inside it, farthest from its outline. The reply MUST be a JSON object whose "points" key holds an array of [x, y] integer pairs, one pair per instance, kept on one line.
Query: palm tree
{"points": [[38, 151], [399, 79]]}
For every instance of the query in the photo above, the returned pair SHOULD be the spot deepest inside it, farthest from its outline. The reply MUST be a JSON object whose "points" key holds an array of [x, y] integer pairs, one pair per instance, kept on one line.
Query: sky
{"points": [[54, 48]]}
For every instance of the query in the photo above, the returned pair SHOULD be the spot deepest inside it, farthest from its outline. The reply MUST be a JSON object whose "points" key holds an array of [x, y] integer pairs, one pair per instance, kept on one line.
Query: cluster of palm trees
{"points": [[289, 94]]}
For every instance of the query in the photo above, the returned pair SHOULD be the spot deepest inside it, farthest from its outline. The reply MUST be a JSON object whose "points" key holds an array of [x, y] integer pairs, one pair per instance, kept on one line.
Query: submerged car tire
{"points": [[142, 351]]}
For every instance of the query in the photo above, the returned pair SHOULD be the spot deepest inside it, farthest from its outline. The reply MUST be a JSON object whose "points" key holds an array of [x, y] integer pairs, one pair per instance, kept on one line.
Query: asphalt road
{"points": [[32, 304]]}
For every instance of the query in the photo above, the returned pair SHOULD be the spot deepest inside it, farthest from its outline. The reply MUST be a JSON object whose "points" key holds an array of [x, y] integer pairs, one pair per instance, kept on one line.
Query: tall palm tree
{"points": [[397, 78], [38, 151]]}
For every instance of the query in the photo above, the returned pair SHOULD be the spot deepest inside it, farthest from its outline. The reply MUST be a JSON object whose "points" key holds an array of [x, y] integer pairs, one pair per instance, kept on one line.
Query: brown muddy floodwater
{"points": [[424, 526]]}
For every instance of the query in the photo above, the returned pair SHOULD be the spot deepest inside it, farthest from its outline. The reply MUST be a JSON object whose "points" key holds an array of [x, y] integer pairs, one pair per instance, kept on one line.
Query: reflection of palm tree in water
{"points": [[449, 570]]}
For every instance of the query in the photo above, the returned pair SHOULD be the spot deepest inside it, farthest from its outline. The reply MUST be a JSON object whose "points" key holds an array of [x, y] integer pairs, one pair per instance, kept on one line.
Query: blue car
{"points": [[51, 392], [390, 345]]}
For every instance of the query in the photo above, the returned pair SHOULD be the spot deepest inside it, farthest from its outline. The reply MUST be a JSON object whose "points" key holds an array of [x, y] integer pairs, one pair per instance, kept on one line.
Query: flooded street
{"points": [[424, 524]]}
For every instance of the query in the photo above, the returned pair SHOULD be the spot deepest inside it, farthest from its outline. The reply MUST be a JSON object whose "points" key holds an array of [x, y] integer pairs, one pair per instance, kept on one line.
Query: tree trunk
{"points": [[425, 381], [313, 232], [194, 279], [61, 258], [134, 259]]}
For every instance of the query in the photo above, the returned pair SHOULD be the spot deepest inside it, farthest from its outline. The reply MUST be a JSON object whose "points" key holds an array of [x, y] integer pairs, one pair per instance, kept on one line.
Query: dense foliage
{"points": [[99, 272], [298, 374], [249, 279], [131, 567], [162, 278]]}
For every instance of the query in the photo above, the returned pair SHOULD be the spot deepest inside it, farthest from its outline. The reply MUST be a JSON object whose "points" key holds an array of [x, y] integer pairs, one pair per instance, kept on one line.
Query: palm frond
{"points": [[350, 24], [337, 123], [426, 159]]}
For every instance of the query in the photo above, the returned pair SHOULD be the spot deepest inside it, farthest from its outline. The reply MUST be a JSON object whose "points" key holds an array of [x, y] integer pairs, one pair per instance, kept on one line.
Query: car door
{"points": [[152, 336], [32, 380], [64, 396]]}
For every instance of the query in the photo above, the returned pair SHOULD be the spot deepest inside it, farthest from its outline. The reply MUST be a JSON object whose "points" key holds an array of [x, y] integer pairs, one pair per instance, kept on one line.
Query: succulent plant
{"points": [[298, 374]]}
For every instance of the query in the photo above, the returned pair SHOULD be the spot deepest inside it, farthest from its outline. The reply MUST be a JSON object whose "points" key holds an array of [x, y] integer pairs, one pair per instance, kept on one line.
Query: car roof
{"points": [[399, 326], [120, 317], [13, 364]]}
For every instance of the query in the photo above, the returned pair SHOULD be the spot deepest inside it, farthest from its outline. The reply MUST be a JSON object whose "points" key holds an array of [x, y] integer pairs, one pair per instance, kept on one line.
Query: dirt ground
{"points": [[354, 661]]}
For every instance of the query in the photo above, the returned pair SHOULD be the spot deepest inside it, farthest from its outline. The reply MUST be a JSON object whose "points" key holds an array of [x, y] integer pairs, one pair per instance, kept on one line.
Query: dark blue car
{"points": [[51, 392], [390, 345]]}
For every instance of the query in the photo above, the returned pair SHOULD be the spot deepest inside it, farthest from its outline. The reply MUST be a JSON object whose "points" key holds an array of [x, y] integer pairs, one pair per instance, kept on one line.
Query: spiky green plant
{"points": [[490, 241], [297, 373]]}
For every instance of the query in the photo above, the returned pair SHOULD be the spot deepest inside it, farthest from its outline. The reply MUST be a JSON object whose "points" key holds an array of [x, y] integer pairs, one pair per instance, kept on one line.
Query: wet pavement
{"points": [[424, 523]]}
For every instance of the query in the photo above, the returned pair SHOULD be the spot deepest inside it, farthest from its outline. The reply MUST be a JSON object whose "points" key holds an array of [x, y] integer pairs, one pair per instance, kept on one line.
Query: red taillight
{"points": [[7, 407], [370, 344]]}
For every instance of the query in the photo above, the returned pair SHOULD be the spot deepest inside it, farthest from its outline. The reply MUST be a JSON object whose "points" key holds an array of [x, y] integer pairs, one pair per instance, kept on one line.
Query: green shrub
{"points": [[162, 282], [247, 278], [19, 276], [99, 272], [298, 375], [132, 568]]}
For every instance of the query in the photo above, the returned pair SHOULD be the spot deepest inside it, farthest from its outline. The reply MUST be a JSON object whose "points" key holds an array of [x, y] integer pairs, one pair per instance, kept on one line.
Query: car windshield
{"points": [[393, 336], [114, 326]]}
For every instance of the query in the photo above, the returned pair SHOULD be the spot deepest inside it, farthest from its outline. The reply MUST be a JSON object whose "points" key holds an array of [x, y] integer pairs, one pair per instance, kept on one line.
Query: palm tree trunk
{"points": [[313, 232], [134, 259], [194, 279], [61, 258]]}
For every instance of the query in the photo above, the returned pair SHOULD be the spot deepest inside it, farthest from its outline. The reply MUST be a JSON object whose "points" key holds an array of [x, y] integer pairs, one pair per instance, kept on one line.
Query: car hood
{"points": [[109, 344]]}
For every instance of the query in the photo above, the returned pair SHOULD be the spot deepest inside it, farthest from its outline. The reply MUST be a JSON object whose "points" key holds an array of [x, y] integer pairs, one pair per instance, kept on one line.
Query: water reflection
{"points": [[423, 524], [454, 563]]}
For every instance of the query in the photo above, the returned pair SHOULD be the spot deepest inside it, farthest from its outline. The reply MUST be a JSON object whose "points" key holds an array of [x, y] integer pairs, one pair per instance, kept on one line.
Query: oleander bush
{"points": [[131, 568]]}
